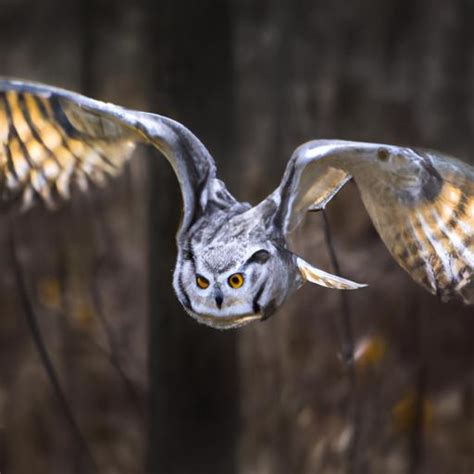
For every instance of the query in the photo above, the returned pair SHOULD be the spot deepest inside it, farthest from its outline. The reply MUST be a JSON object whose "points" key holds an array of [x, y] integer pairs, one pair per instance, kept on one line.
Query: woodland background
{"points": [[150, 389]]}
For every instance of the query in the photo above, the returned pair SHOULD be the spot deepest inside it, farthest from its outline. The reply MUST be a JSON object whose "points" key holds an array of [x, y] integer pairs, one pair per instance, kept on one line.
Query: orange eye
{"points": [[236, 280], [202, 282]]}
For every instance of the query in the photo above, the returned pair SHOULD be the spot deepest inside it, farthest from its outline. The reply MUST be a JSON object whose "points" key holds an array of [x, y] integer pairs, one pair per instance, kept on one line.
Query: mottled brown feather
{"points": [[46, 147], [421, 203]]}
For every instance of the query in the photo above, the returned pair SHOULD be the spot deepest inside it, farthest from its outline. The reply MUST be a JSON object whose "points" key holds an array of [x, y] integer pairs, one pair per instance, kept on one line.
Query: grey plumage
{"points": [[233, 263]]}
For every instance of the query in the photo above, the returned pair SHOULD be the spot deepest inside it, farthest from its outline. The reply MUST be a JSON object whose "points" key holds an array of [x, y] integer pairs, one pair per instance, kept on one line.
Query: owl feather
{"points": [[421, 202], [52, 140]]}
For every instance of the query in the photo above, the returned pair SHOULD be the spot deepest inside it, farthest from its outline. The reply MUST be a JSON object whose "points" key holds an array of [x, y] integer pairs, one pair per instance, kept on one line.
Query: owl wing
{"points": [[52, 139], [421, 203]]}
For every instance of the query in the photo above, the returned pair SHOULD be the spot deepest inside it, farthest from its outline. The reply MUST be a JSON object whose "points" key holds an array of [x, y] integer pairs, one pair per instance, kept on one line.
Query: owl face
{"points": [[228, 285]]}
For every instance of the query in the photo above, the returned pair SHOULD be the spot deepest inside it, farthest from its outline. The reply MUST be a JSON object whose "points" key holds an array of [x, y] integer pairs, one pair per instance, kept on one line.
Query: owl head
{"points": [[229, 284]]}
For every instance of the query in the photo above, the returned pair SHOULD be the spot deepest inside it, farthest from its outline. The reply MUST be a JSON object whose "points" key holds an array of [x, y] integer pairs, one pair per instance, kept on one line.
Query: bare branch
{"points": [[38, 340], [346, 335]]}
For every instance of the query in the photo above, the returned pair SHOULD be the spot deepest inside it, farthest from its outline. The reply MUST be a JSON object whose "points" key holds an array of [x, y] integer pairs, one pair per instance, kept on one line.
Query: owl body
{"points": [[234, 264]]}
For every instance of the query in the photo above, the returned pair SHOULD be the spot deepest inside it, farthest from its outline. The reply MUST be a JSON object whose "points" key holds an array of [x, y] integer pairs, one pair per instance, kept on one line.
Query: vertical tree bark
{"points": [[193, 370]]}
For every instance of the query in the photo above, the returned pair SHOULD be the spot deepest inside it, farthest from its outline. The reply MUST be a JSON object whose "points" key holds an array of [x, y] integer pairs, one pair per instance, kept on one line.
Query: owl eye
{"points": [[236, 280], [202, 282], [260, 256]]}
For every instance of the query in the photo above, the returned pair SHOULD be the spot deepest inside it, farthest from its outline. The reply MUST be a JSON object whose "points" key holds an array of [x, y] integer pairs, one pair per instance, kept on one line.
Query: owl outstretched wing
{"points": [[421, 203], [52, 139]]}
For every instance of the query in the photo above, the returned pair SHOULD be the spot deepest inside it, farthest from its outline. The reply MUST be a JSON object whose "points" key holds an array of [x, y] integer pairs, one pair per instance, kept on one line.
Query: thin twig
{"points": [[347, 350], [114, 355], [43, 353], [101, 227], [347, 336]]}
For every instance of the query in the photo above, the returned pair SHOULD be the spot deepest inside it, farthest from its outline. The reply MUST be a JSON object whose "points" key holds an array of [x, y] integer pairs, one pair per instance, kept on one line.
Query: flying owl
{"points": [[234, 264]]}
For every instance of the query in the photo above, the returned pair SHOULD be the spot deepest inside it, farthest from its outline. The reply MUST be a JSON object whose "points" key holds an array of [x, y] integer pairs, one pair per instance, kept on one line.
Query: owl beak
{"points": [[219, 297]]}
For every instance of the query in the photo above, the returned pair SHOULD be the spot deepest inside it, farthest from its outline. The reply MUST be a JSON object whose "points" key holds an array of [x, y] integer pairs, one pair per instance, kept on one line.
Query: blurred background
{"points": [[150, 389]]}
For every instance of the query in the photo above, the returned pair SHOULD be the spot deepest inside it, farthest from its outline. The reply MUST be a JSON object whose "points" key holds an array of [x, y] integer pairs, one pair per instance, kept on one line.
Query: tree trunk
{"points": [[193, 370]]}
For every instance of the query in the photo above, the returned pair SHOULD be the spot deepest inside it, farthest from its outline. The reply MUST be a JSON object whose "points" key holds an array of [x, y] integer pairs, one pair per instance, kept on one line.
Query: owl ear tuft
{"points": [[322, 278]]}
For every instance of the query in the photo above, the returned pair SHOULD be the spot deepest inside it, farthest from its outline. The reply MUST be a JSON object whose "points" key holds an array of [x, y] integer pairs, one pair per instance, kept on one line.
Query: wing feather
{"points": [[44, 154], [421, 203], [52, 140]]}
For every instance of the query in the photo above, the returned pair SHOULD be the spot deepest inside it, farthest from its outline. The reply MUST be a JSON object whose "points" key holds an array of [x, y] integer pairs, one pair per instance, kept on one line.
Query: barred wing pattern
{"points": [[43, 151], [434, 242], [421, 203], [51, 139]]}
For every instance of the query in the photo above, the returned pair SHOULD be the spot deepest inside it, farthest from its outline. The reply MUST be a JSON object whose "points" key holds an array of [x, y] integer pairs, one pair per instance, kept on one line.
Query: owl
{"points": [[234, 263]]}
